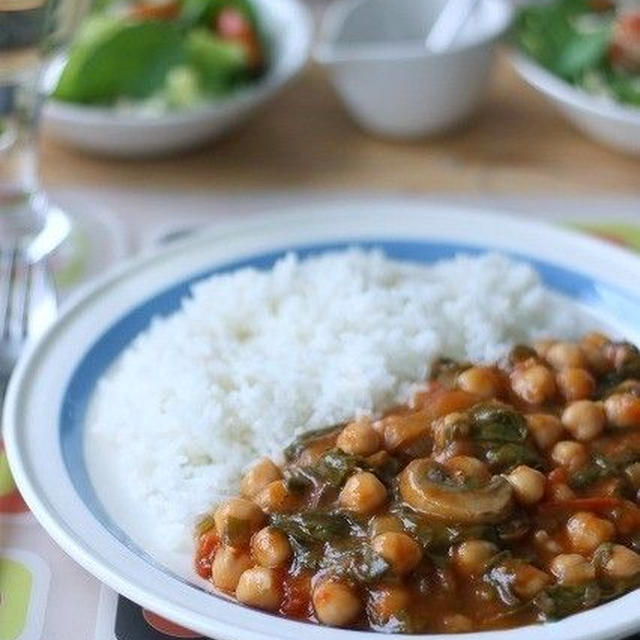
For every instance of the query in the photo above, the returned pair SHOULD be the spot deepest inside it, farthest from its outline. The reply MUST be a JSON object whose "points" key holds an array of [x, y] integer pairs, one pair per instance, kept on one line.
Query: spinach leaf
{"points": [[435, 536], [303, 441], [559, 601], [497, 423], [356, 561], [629, 368], [313, 526], [626, 87], [581, 53], [599, 468], [221, 65], [506, 457], [335, 466], [114, 57]]}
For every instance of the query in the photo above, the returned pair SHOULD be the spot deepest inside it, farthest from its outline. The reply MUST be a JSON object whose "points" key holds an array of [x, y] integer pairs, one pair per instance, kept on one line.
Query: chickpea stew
{"points": [[503, 495]]}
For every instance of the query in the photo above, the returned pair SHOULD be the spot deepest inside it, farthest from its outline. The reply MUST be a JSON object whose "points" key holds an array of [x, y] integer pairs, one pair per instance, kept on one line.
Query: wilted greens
{"points": [[173, 54], [592, 44]]}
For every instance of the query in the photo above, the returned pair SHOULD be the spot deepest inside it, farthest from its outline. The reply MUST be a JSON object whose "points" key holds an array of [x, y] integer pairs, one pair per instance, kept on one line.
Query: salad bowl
{"points": [[610, 123], [583, 57], [131, 131]]}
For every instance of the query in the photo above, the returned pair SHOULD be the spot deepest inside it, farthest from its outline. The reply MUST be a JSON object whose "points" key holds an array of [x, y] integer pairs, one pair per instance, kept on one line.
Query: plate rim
{"points": [[63, 535]]}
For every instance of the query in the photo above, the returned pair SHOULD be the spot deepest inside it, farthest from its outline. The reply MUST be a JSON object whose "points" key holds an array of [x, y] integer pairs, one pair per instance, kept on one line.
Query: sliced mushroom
{"points": [[429, 488]]}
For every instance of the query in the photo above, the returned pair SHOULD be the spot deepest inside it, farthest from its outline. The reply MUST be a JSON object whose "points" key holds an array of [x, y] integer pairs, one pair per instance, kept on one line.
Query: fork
{"points": [[28, 305]]}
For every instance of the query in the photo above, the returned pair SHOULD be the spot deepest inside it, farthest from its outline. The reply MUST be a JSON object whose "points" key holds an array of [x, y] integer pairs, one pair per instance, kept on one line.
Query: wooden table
{"points": [[305, 140]]}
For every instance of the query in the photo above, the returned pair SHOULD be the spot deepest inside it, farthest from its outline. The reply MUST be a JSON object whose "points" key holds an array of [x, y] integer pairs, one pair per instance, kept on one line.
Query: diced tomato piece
{"points": [[296, 602], [231, 24], [558, 476], [153, 11], [624, 51], [207, 547], [597, 504]]}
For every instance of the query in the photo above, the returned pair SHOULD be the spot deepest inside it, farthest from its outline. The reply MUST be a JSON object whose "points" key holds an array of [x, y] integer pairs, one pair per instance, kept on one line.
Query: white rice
{"points": [[254, 358]]}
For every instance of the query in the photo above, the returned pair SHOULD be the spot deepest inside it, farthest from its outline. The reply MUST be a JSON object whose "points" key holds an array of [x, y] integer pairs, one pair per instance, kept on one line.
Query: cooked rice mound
{"points": [[255, 357]]}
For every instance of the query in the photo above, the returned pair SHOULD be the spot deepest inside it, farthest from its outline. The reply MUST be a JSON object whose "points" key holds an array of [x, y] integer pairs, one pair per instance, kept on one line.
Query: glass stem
{"points": [[22, 203]]}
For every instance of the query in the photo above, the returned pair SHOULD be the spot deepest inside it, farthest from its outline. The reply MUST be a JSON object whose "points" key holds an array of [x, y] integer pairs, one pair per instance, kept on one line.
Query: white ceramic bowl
{"points": [[45, 412], [128, 133], [390, 83], [608, 122]]}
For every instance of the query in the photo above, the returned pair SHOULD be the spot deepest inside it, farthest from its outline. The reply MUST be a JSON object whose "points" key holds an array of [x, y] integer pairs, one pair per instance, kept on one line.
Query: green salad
{"points": [[593, 44], [163, 54]]}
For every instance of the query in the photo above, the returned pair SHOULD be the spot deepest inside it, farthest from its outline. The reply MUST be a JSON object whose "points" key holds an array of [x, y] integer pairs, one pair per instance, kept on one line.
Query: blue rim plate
{"points": [[45, 410]]}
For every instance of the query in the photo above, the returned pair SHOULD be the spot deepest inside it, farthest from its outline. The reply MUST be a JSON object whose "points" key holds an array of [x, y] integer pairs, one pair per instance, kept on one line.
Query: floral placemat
{"points": [[46, 596]]}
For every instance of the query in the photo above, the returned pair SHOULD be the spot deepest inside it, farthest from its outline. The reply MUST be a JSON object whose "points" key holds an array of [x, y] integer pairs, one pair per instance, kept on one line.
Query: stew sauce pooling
{"points": [[503, 496]]}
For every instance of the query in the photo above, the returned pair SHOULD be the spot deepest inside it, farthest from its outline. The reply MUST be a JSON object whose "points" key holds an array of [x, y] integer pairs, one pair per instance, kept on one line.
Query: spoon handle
{"points": [[448, 24]]}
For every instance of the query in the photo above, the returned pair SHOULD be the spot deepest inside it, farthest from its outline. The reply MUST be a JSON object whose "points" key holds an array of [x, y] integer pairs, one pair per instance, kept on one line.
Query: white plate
{"points": [[611, 123], [49, 394], [129, 133]]}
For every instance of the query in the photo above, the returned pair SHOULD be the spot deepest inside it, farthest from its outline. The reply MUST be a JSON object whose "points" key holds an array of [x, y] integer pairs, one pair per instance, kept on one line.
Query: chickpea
{"points": [[362, 493], [472, 556], [276, 498], [384, 524], [336, 603], [259, 476], [592, 345], [270, 548], [587, 532], [621, 562], [227, 567], [387, 601], [545, 428], [528, 484], [585, 420], [576, 383], [456, 623], [259, 587], [482, 381], [359, 438], [542, 346], [535, 384], [401, 551], [623, 410], [469, 467], [570, 455], [528, 581], [400, 430], [572, 568], [237, 520], [563, 355], [633, 474], [594, 339]]}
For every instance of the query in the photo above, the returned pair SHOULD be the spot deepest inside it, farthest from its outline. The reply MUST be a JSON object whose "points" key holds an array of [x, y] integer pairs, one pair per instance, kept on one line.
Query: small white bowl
{"points": [[132, 133], [391, 84], [601, 118]]}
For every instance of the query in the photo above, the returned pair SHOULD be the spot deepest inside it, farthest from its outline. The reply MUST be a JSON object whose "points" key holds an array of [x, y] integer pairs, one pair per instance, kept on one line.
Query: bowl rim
{"points": [[619, 265], [326, 51], [300, 37], [555, 87]]}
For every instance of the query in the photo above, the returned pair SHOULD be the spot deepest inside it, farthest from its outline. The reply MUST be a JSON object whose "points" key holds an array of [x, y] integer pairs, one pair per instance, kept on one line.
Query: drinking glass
{"points": [[32, 35]]}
